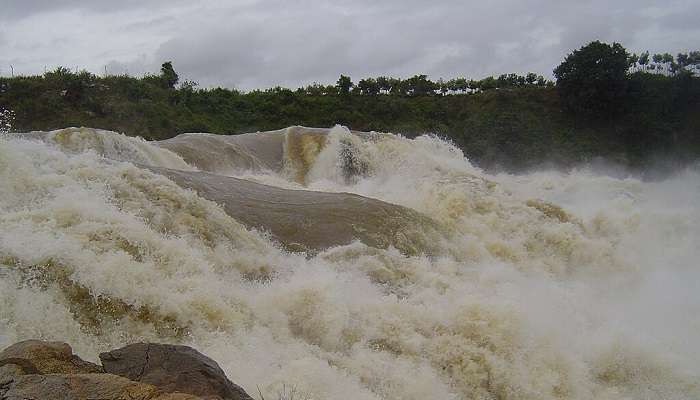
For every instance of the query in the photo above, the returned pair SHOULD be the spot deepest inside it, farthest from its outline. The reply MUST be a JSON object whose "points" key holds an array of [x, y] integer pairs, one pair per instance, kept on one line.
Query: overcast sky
{"points": [[255, 44]]}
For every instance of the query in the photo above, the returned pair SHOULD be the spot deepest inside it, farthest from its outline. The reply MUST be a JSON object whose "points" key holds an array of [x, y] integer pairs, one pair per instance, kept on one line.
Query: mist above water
{"points": [[545, 285]]}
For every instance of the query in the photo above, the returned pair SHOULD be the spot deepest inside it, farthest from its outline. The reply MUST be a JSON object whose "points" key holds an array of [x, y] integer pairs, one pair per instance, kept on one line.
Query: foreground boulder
{"points": [[36, 370], [36, 356], [172, 368], [82, 386]]}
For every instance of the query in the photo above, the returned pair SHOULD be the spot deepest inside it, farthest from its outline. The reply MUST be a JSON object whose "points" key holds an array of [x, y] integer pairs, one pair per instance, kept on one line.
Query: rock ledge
{"points": [[35, 369]]}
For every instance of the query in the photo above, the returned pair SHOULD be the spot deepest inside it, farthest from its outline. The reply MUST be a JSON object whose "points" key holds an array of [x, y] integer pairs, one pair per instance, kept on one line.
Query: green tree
{"points": [[398, 87], [458, 85], [344, 85], [442, 86], [384, 84], [632, 61], [531, 78], [488, 83], [694, 57], [419, 85], [168, 75], [368, 86], [644, 59], [592, 79]]}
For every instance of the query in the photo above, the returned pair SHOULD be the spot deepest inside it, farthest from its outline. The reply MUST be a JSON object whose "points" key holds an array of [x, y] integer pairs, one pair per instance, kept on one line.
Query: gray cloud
{"points": [[251, 43], [27, 8]]}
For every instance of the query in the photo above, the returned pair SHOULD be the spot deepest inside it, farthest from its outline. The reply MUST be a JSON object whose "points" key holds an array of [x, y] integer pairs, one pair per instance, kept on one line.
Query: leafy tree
{"points": [[531, 78], [368, 86], [188, 85], [511, 81], [442, 86], [694, 57], [644, 59], [398, 87], [633, 58], [344, 84], [384, 84], [168, 75], [458, 85], [317, 89], [419, 85], [592, 79], [632, 61], [487, 83], [675, 67]]}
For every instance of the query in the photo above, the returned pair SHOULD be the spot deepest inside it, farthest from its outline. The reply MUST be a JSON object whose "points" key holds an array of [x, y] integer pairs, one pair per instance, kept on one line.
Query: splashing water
{"points": [[548, 286], [7, 118]]}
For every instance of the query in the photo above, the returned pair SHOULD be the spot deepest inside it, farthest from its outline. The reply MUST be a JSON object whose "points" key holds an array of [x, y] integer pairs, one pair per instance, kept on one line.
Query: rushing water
{"points": [[461, 285]]}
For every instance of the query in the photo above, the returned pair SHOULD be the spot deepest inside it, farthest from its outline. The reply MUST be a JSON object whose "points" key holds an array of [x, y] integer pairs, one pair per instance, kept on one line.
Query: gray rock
{"points": [[9, 372], [172, 368]]}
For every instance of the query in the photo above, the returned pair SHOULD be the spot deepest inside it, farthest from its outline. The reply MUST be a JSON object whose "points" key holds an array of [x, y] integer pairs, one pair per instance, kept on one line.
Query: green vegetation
{"points": [[168, 75], [593, 79], [606, 104]]}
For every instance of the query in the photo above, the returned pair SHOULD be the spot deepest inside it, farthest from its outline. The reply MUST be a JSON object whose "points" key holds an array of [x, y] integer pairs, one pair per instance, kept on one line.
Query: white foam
{"points": [[598, 301]]}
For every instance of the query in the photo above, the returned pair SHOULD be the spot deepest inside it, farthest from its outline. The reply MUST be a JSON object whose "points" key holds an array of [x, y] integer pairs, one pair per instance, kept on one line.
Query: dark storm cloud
{"points": [[251, 43]]}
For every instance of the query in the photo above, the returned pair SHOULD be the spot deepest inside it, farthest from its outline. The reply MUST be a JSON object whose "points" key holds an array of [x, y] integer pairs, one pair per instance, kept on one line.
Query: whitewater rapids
{"points": [[459, 284]]}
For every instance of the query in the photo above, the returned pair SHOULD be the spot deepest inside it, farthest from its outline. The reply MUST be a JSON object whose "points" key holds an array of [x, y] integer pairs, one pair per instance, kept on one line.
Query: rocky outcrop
{"points": [[225, 154], [36, 369], [303, 220], [36, 356], [173, 368], [82, 386]]}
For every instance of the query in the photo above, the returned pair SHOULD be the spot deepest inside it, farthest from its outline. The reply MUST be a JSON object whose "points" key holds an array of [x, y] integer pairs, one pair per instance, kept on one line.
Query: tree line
{"points": [[599, 79], [420, 85], [665, 63], [601, 105]]}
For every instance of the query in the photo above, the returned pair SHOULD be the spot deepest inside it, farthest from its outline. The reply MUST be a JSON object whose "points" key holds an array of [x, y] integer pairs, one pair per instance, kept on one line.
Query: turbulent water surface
{"points": [[353, 265]]}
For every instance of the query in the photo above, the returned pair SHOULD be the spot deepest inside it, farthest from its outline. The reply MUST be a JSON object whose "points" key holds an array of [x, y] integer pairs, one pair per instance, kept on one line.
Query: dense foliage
{"points": [[510, 121], [593, 79]]}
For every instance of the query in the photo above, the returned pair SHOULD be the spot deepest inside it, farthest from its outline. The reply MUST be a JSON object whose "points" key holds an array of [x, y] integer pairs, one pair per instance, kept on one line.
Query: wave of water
{"points": [[548, 285]]}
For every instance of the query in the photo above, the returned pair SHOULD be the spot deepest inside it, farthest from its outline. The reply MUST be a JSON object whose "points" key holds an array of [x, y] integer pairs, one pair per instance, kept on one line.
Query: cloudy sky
{"points": [[262, 43]]}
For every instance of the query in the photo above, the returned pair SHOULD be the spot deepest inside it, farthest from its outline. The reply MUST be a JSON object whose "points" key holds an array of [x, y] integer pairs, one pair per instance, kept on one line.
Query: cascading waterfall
{"points": [[546, 285]]}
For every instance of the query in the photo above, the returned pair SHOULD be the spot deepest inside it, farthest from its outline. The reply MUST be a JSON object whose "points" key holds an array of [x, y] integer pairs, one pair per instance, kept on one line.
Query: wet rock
{"points": [[303, 220], [8, 372], [82, 386], [40, 357], [172, 368], [22, 365], [36, 369]]}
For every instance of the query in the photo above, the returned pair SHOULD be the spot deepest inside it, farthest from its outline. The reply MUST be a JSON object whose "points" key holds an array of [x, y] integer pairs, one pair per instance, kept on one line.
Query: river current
{"points": [[354, 265]]}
